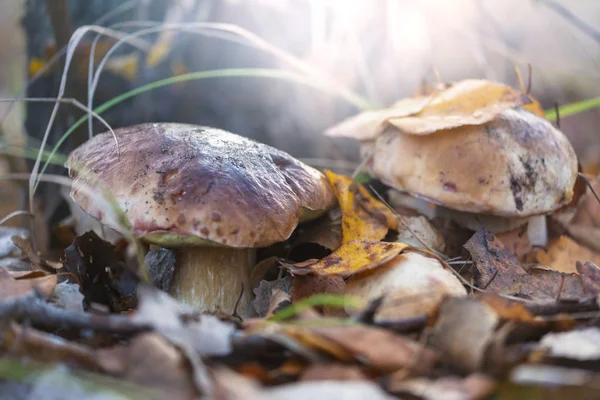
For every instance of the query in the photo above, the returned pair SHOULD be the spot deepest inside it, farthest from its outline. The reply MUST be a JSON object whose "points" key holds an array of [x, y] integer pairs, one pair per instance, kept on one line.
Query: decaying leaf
{"points": [[138, 362], [580, 344], [590, 277], [546, 284], [467, 102], [425, 232], [11, 287], [411, 285], [36, 260], [7, 245], [517, 242], [507, 308], [373, 347], [264, 293], [464, 330], [564, 253], [351, 258], [363, 216], [496, 268], [325, 231], [103, 277]]}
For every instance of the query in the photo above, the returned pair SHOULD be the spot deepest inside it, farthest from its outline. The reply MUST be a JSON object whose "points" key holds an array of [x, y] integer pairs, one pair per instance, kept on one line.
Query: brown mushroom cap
{"points": [[180, 184], [515, 165]]}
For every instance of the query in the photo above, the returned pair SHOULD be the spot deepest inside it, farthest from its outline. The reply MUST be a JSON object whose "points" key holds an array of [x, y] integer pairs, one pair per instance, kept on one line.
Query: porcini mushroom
{"points": [[212, 195], [517, 166]]}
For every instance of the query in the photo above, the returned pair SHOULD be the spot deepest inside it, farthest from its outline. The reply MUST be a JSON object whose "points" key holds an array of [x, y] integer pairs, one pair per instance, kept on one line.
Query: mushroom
{"points": [[211, 195], [517, 166]]}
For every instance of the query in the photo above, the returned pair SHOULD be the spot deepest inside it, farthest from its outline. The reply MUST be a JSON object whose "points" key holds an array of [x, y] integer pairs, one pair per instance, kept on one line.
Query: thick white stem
{"points": [[537, 231], [211, 278]]}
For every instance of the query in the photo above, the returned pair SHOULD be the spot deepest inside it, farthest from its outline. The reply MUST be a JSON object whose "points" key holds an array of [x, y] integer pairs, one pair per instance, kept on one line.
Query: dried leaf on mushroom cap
{"points": [[180, 184]]}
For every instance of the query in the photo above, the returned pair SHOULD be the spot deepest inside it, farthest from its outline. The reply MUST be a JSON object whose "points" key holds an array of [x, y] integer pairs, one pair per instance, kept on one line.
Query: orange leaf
{"points": [[351, 258], [468, 102], [563, 254], [363, 216]]}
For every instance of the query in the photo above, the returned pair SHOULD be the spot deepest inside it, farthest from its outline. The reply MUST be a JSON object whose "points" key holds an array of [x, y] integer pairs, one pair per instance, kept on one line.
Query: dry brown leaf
{"points": [[563, 253], [424, 230], [11, 288], [279, 299], [546, 284], [351, 258], [496, 268], [508, 309], [264, 293], [464, 330], [325, 231], [36, 260], [363, 216], [378, 348], [590, 277], [150, 361], [468, 102], [367, 125], [412, 285]]}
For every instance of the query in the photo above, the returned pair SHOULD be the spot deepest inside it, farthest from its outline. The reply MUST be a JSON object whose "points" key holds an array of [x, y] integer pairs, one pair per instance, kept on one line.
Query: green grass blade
{"points": [[331, 300], [573, 108]]}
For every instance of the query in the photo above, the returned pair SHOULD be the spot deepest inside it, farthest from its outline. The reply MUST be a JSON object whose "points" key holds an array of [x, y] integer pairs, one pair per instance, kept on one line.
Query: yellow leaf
{"points": [[363, 216], [351, 258], [468, 102], [563, 254]]}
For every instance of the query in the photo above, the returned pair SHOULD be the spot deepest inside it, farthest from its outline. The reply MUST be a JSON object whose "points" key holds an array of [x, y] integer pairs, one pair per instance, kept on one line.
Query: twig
{"points": [[35, 310]]}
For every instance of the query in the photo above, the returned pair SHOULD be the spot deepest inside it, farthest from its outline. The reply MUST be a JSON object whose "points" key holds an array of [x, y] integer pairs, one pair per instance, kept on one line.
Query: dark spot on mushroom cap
{"points": [[204, 231], [181, 219], [450, 187], [215, 216]]}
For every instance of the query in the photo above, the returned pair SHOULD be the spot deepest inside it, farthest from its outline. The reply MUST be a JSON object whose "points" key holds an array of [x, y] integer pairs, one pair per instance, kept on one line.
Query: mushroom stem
{"points": [[211, 278], [537, 231]]}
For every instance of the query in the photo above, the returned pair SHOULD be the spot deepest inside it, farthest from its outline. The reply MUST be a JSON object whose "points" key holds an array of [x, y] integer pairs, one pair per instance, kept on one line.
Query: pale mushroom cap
{"points": [[516, 165], [180, 184]]}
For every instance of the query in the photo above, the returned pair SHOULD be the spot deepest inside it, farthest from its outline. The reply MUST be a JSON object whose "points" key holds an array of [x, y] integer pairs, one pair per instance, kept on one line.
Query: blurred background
{"points": [[352, 53]]}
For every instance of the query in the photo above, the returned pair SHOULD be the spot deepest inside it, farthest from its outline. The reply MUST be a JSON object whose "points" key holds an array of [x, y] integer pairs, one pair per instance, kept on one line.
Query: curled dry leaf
{"points": [[138, 362], [496, 268], [463, 331], [11, 288], [468, 102], [263, 294], [363, 216], [590, 277], [564, 253], [351, 258], [546, 284], [412, 285]]}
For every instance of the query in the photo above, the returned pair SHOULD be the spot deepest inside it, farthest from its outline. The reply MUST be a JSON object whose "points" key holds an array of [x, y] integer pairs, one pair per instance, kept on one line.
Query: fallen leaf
{"points": [[161, 266], [546, 284], [367, 125], [411, 285], [467, 102], [496, 268], [590, 277], [49, 348], [139, 362], [260, 270], [507, 308], [580, 344], [264, 293], [363, 216], [7, 245], [279, 300], [463, 331], [373, 347], [103, 277], [563, 253], [350, 258], [424, 230], [11, 288], [474, 386], [325, 231], [36, 260]]}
